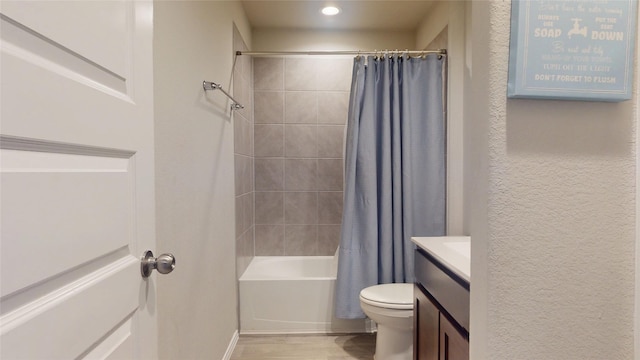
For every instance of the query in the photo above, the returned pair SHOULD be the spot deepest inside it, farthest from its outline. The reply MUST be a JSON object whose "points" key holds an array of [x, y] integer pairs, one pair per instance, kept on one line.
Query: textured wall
{"points": [[197, 303], [552, 219]]}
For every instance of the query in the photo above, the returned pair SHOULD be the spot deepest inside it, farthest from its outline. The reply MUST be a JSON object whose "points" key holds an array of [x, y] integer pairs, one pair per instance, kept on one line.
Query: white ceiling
{"points": [[355, 14]]}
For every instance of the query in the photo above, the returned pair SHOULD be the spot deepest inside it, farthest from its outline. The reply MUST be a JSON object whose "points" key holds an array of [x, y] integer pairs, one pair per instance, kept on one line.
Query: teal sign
{"points": [[572, 49]]}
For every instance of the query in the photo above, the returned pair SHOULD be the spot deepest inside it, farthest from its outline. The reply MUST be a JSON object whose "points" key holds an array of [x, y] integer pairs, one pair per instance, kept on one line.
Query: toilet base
{"points": [[393, 344]]}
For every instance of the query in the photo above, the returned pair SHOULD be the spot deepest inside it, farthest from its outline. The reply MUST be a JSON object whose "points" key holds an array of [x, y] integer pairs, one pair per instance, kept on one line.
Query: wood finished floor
{"points": [[305, 347]]}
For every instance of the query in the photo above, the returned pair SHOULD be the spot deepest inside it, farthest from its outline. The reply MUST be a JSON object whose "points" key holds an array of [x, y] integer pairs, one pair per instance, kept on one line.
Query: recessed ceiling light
{"points": [[330, 10]]}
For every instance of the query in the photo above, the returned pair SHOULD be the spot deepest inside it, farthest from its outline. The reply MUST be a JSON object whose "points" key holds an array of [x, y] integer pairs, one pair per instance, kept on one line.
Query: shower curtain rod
{"points": [[347, 52]]}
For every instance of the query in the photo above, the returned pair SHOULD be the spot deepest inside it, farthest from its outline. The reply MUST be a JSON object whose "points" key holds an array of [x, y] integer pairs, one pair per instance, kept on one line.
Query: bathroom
{"points": [[259, 219], [512, 158], [546, 189]]}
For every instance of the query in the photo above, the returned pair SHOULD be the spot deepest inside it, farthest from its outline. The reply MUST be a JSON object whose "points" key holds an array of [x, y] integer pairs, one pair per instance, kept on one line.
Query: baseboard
{"points": [[231, 347]]}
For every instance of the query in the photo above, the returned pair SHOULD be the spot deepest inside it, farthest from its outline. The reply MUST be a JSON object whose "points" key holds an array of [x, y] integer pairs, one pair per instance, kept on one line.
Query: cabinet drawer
{"points": [[447, 288]]}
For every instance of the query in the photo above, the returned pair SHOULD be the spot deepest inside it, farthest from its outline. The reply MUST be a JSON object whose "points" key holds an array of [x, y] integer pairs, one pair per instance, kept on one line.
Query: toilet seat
{"points": [[389, 296]]}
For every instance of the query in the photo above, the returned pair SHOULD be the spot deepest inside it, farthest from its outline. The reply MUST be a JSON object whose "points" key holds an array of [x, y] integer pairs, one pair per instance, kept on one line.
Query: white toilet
{"points": [[391, 307]]}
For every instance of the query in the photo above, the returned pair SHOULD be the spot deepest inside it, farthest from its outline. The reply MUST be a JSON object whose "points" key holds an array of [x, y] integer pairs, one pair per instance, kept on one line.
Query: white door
{"points": [[77, 208]]}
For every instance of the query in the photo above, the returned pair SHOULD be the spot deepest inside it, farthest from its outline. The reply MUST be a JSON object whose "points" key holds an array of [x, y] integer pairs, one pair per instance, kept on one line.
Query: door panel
{"points": [[61, 90], [44, 194], [76, 150], [62, 326], [105, 33], [42, 55], [118, 345]]}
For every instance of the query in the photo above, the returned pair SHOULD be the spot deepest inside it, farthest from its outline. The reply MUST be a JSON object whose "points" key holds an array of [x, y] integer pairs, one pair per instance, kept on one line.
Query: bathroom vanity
{"points": [[441, 298]]}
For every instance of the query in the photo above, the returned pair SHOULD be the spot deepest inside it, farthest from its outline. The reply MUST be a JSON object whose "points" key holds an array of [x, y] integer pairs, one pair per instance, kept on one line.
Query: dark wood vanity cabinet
{"points": [[426, 333], [441, 317], [453, 343]]}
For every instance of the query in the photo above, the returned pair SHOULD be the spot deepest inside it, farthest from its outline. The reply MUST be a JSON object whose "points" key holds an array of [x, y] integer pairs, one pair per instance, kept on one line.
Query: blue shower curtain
{"points": [[394, 173]]}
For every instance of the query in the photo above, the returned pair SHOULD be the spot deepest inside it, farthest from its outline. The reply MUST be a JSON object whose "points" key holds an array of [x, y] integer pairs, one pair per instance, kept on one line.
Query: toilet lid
{"points": [[390, 296]]}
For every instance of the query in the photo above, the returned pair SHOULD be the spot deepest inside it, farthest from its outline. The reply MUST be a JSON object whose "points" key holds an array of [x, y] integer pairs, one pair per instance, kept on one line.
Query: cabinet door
{"points": [[453, 346], [426, 318]]}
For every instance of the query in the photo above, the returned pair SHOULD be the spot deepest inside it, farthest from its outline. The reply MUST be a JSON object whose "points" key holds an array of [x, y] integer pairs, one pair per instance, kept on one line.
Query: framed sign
{"points": [[572, 49]]}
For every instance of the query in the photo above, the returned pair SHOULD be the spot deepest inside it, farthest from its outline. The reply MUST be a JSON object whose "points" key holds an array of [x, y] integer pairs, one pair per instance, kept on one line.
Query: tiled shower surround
{"points": [[300, 112], [243, 152]]}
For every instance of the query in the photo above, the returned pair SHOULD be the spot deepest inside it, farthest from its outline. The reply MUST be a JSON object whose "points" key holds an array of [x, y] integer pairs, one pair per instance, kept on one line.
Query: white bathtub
{"points": [[291, 295]]}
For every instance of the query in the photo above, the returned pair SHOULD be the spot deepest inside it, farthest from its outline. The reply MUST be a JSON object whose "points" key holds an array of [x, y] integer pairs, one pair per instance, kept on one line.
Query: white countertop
{"points": [[452, 251]]}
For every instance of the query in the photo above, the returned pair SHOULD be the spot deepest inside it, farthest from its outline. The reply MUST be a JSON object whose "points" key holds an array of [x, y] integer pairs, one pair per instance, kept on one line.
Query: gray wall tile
{"points": [[269, 140], [245, 249], [242, 136], [300, 74], [243, 158], [243, 174], [240, 221], [330, 174], [300, 112], [269, 207], [244, 212], [328, 239], [269, 174], [301, 240], [330, 141], [330, 208], [300, 174], [248, 202], [334, 74], [300, 141], [249, 184], [300, 207], [242, 92], [333, 107], [268, 73], [269, 240], [301, 107], [269, 107]]}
